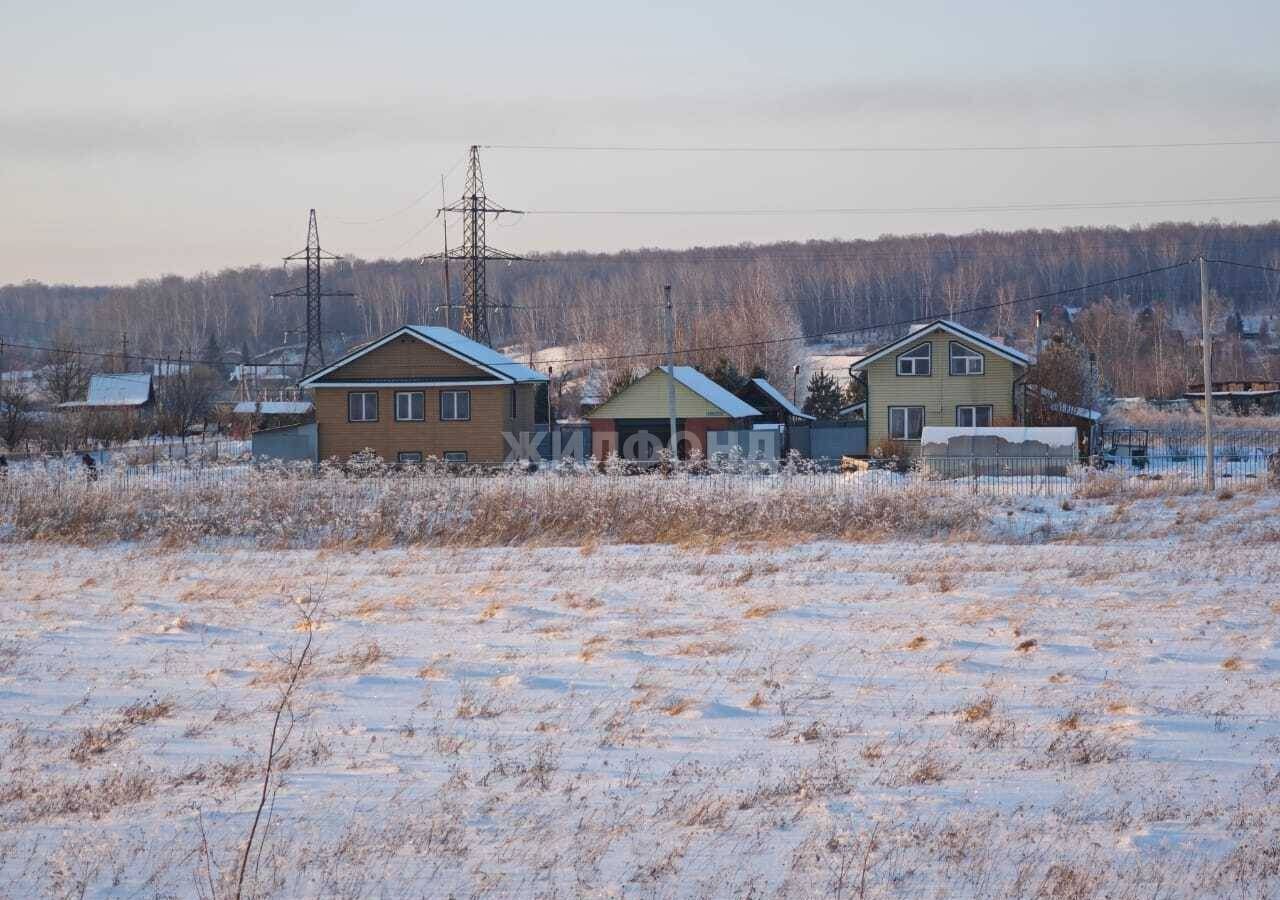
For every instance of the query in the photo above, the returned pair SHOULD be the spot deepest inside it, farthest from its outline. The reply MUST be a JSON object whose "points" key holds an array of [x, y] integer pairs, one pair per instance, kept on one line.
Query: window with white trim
{"points": [[362, 406], [906, 422], [916, 361], [411, 406], [965, 361], [409, 457], [973, 416], [455, 406], [455, 456]]}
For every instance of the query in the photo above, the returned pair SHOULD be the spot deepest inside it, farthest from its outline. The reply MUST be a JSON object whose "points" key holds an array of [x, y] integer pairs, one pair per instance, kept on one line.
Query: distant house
{"points": [[635, 423], [419, 392], [263, 372], [940, 373], [1243, 396], [123, 391]]}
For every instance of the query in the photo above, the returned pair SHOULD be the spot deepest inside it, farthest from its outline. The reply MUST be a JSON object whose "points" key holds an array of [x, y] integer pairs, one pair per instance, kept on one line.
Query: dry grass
{"points": [[287, 507], [99, 739], [976, 712], [706, 648]]}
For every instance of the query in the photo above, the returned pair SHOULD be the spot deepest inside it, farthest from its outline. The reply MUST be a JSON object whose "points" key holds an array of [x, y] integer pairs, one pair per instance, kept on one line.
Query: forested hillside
{"points": [[608, 304]]}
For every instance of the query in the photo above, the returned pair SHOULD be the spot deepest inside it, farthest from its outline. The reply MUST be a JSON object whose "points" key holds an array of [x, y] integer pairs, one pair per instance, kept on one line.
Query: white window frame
{"points": [[409, 457], [915, 362], [453, 397], [972, 410], [409, 398], [967, 356], [906, 421], [364, 406], [455, 456]]}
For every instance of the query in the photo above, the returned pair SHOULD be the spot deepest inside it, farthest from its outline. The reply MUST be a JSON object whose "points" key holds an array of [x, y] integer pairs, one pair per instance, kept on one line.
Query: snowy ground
{"points": [[1084, 708]]}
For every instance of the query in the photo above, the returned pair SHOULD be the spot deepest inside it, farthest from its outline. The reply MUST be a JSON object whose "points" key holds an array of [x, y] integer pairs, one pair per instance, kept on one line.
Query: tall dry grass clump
{"points": [[296, 507]]}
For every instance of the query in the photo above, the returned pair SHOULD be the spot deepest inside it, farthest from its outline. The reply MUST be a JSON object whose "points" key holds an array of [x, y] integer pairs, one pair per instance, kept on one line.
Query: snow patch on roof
{"points": [[708, 390], [124, 389]]}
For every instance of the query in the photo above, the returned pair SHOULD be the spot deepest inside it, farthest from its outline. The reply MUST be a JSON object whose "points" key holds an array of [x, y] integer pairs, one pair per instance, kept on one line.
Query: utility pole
{"points": [[448, 289], [1206, 347], [474, 206], [551, 422], [124, 351], [313, 355], [671, 371], [1039, 344]]}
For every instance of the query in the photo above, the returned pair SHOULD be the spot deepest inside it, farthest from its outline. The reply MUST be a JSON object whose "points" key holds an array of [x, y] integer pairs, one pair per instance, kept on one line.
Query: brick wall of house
{"points": [[480, 437]]}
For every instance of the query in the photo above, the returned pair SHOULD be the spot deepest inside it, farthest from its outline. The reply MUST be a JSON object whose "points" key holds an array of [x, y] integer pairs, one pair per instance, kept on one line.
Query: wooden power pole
{"points": [[671, 371], [1206, 347]]}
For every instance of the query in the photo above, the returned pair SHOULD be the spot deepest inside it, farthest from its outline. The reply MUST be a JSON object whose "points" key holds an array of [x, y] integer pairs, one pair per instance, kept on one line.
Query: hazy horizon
{"points": [[151, 140]]}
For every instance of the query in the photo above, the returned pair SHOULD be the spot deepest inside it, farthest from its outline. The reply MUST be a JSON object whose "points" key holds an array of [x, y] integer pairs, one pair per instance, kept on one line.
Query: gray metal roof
{"points": [[779, 398], [274, 407], [486, 356], [708, 390], [124, 389], [448, 340]]}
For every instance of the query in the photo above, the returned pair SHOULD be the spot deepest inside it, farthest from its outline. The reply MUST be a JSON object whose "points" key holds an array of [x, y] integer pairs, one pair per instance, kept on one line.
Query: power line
{"points": [[743, 344], [404, 209], [132, 356], [907, 210], [1229, 262], [866, 328], [872, 148]]}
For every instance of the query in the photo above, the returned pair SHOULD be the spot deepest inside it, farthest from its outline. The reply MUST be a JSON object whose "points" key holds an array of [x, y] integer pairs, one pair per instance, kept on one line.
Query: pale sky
{"points": [[138, 139]]}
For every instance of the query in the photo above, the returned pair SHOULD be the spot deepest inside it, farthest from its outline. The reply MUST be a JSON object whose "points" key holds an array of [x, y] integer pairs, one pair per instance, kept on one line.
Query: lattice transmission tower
{"points": [[475, 208], [313, 290]]}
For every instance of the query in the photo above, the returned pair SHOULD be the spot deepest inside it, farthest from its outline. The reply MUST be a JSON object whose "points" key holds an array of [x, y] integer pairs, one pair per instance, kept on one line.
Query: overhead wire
{"points": [[404, 209], [909, 210], [811, 336], [763, 342], [875, 148]]}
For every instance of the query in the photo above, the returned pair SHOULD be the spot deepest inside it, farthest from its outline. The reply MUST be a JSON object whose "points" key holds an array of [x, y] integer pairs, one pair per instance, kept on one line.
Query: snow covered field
{"points": [[1071, 702]]}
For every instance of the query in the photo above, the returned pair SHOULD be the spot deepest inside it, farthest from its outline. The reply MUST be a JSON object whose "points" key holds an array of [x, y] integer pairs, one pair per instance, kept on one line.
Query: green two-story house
{"points": [[940, 373]]}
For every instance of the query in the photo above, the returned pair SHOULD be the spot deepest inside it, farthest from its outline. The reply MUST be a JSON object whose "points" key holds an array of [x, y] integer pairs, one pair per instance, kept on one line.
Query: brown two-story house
{"points": [[420, 392]]}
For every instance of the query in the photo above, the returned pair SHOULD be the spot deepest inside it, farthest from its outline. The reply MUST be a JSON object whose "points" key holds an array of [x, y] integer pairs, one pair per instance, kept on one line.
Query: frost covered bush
{"points": [[370, 504]]}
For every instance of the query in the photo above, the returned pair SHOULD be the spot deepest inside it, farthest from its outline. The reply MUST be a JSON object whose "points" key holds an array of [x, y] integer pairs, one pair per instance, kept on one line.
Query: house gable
{"points": [[939, 393], [647, 399], [404, 357]]}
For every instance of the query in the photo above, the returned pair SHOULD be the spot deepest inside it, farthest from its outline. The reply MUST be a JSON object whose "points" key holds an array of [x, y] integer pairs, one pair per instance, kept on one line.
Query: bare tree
{"points": [[185, 396], [16, 419], [64, 373]]}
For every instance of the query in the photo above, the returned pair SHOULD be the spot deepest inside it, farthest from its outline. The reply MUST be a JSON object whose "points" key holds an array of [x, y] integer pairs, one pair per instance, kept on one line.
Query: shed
{"points": [[1243, 396], [288, 443], [635, 422]]}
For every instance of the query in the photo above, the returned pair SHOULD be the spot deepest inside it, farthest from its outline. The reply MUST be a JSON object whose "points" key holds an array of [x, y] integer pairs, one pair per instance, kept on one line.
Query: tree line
{"points": [[609, 305]]}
